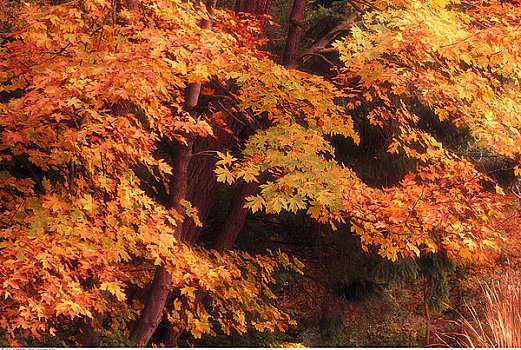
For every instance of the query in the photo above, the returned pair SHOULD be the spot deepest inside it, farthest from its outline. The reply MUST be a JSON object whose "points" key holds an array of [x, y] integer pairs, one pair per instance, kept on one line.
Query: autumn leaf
{"points": [[224, 175], [225, 159], [114, 289], [255, 203]]}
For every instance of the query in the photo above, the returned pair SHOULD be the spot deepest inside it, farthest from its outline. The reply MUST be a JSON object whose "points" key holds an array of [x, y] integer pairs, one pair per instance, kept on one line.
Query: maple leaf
{"points": [[296, 203], [276, 204], [188, 291], [255, 203], [226, 159], [114, 289], [87, 202], [224, 175]]}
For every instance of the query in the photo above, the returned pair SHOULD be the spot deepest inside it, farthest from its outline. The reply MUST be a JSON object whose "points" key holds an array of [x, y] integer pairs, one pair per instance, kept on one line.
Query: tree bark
{"points": [[235, 218], [319, 46], [255, 7], [161, 285], [153, 310], [295, 32]]}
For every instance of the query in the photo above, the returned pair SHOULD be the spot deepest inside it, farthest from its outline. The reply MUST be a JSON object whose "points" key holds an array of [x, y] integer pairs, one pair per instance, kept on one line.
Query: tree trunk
{"points": [[201, 187], [235, 218], [203, 182], [153, 310], [255, 7], [162, 283], [295, 32]]}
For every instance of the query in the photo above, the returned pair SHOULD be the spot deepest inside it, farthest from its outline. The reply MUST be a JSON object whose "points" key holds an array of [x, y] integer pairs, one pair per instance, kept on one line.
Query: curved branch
{"points": [[319, 47]]}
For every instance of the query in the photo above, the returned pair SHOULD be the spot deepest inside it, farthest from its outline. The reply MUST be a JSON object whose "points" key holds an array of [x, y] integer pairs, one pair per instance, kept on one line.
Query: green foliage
{"points": [[321, 18], [375, 323], [435, 268]]}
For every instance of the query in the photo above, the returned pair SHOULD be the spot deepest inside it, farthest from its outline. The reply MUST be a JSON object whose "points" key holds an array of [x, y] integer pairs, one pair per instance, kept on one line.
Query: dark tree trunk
{"points": [[161, 285], [202, 180], [201, 188], [153, 310], [255, 7], [295, 33], [235, 218]]}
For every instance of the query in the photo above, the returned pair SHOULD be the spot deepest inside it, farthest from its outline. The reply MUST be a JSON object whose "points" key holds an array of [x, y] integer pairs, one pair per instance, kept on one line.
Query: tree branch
{"points": [[319, 47]]}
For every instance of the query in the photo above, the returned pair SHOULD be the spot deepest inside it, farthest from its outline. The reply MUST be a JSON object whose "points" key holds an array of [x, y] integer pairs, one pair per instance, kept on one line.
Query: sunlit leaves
{"points": [[456, 62], [289, 95], [115, 289], [414, 53], [101, 88], [255, 203], [224, 175], [225, 159]]}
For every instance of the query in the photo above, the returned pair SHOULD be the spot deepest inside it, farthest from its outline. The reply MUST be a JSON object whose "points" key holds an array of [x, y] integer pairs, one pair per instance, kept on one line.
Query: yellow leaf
{"points": [[255, 203], [224, 175], [87, 203], [226, 159], [277, 204], [114, 289]]}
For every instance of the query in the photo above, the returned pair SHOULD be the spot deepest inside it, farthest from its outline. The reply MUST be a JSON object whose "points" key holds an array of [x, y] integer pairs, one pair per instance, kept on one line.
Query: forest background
{"points": [[257, 173]]}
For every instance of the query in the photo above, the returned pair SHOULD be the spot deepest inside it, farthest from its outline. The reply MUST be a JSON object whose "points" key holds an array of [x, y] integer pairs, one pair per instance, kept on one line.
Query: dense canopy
{"points": [[96, 136]]}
